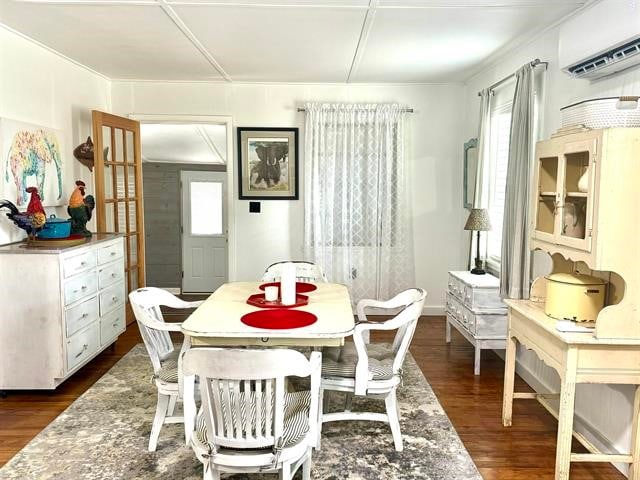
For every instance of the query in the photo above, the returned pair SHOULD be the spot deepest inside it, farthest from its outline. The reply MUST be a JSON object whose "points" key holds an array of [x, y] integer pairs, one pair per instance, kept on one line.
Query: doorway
{"points": [[204, 231], [200, 146]]}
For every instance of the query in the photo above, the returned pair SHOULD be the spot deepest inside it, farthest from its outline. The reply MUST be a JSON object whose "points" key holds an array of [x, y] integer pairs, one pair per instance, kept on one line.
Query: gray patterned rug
{"points": [[104, 435]]}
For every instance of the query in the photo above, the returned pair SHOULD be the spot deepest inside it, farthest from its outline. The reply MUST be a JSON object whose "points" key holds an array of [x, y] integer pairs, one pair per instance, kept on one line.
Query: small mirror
{"points": [[470, 166]]}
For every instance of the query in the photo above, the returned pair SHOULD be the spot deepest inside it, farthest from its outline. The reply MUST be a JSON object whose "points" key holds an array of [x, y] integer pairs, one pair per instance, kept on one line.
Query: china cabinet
{"points": [[585, 199]]}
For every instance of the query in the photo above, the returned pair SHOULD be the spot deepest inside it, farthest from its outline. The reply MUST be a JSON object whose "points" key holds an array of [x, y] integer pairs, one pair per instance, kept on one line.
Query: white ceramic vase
{"points": [[583, 183]]}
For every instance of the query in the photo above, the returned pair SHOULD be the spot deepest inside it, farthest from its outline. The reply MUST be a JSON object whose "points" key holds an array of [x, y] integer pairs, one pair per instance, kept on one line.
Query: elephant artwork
{"points": [[270, 170], [32, 159], [268, 163]]}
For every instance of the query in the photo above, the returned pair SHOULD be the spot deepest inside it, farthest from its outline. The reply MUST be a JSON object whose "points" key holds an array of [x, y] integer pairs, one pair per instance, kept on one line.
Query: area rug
{"points": [[104, 434]]}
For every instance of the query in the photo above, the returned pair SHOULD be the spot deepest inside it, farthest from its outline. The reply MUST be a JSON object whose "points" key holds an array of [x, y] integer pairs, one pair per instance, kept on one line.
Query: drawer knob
{"points": [[84, 348], [83, 263], [264, 339], [115, 324], [114, 275], [85, 315], [114, 299], [113, 254]]}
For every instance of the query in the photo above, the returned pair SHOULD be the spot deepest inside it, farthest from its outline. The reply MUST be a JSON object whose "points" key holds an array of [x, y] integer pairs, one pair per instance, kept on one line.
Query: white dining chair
{"points": [[305, 272], [352, 369], [248, 421], [146, 303]]}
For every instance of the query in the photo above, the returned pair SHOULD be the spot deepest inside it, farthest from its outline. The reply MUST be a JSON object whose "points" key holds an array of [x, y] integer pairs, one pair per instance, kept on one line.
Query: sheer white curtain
{"points": [[357, 212]]}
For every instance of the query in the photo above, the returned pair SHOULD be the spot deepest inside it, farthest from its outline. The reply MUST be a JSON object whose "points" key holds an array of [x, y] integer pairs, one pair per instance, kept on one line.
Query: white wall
{"points": [[40, 87], [277, 232], [601, 408]]}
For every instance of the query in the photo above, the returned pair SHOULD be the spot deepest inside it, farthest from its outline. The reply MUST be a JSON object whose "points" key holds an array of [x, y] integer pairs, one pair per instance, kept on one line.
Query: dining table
{"points": [[219, 320]]}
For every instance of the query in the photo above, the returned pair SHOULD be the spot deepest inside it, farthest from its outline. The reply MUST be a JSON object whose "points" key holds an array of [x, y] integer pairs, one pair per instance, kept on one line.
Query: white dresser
{"points": [[475, 309], [59, 308]]}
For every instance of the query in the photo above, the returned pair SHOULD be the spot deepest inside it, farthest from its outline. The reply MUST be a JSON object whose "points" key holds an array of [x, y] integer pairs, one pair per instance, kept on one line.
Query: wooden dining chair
{"points": [[305, 272], [146, 303], [354, 370], [248, 420]]}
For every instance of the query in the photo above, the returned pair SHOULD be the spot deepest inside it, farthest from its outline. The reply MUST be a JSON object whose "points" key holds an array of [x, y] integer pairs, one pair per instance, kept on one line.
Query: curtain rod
{"points": [[405, 110], [533, 63]]}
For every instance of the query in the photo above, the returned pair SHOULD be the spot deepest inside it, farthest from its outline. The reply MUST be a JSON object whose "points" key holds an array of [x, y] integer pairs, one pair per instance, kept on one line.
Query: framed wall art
{"points": [[32, 156], [268, 163]]}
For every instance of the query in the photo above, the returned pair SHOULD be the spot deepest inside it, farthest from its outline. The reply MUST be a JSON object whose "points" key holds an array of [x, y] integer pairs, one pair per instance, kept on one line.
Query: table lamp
{"points": [[478, 221]]}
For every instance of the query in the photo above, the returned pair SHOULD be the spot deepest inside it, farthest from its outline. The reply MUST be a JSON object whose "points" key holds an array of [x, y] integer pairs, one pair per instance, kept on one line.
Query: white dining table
{"points": [[217, 321]]}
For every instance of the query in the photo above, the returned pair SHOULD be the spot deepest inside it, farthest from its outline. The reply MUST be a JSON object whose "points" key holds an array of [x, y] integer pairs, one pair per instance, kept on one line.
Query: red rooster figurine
{"points": [[31, 221]]}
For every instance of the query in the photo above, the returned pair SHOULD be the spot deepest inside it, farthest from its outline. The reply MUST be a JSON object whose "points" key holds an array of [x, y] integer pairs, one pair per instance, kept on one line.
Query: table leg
{"points": [[447, 331], [509, 377], [565, 415], [476, 363], [634, 472]]}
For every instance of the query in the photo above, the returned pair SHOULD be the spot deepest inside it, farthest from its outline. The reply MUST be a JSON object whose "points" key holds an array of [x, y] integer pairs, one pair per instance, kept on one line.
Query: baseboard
{"points": [[174, 290], [580, 424], [433, 310]]}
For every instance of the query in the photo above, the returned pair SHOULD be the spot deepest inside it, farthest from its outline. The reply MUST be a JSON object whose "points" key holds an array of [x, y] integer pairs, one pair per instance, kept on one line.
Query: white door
{"points": [[204, 231]]}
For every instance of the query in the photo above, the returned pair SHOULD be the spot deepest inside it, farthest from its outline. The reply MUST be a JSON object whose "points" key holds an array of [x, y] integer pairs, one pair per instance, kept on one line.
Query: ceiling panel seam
{"points": [[362, 40], [171, 13]]}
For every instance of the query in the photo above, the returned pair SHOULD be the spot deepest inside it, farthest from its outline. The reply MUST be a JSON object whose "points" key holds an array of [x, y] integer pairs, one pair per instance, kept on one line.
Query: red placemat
{"points": [[278, 319], [258, 300], [301, 287]]}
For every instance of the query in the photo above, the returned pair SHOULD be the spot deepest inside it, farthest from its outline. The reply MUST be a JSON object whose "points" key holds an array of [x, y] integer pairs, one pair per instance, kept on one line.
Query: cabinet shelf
{"points": [[548, 194], [577, 194]]}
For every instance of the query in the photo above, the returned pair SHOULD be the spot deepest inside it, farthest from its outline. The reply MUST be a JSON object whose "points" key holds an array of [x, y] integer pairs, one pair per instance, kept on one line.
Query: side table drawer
{"points": [[481, 298], [76, 318], [455, 287], [111, 298], [83, 345], [80, 286]]}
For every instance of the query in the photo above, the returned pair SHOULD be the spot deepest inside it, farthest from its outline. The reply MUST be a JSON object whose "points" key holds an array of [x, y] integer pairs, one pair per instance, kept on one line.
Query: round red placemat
{"points": [[301, 287], [258, 300], [278, 319]]}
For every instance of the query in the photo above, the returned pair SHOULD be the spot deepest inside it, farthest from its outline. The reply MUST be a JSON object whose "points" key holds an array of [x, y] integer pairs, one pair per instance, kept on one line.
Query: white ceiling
{"points": [[373, 41], [183, 143]]}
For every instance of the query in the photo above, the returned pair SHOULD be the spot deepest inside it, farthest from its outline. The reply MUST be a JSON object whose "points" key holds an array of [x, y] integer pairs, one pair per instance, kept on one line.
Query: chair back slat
{"points": [[305, 272], [245, 412], [157, 342]]}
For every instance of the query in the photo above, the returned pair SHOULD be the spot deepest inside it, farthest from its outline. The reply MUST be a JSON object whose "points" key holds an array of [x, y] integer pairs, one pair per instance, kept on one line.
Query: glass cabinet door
{"points": [[578, 174], [548, 197]]}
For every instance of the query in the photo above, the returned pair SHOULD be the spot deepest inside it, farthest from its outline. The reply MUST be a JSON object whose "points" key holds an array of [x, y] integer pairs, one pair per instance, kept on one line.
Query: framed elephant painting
{"points": [[268, 163], [32, 156]]}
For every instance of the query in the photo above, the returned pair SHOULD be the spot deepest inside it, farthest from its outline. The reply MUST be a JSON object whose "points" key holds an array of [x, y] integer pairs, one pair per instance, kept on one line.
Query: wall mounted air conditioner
{"points": [[601, 40]]}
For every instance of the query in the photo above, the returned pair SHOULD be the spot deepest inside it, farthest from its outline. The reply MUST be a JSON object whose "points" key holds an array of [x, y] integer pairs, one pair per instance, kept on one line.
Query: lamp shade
{"points": [[478, 220]]}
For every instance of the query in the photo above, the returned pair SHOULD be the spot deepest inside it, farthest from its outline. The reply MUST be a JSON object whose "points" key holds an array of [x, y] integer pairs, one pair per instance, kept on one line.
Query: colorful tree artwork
{"points": [[31, 158]]}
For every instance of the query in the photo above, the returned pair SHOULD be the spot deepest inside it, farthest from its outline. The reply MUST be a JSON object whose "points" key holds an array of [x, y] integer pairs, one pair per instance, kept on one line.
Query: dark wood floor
{"points": [[524, 451]]}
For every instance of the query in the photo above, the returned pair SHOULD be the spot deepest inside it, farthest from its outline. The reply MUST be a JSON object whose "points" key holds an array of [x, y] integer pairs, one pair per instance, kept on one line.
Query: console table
{"points": [[475, 309]]}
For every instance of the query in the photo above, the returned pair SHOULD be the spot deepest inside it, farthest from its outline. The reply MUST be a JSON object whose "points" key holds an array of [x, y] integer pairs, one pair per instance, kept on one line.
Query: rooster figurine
{"points": [[80, 209], [31, 221]]}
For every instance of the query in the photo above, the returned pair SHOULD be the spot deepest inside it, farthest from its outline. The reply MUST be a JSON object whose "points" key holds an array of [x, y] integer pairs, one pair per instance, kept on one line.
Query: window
{"points": [[498, 161]]}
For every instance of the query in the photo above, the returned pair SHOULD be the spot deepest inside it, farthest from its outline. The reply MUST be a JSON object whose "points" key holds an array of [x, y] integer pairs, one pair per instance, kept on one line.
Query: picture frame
{"points": [[268, 163], [470, 169]]}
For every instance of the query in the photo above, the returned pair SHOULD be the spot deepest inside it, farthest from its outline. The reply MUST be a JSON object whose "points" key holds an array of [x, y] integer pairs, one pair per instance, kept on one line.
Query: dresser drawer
{"points": [[110, 274], [78, 317], [112, 325], [111, 252], [83, 345], [111, 298], [78, 263], [455, 287], [80, 286], [482, 298]]}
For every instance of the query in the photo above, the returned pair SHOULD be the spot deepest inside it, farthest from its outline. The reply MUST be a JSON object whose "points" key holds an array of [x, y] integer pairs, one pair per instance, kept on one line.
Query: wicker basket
{"points": [[603, 113]]}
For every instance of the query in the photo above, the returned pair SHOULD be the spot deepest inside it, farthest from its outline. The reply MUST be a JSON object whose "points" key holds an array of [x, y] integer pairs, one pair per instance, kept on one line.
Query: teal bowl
{"points": [[55, 228]]}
